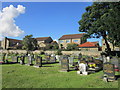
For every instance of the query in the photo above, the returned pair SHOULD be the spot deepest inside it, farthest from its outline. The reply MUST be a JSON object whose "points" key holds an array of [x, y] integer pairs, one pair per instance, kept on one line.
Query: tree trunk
{"points": [[113, 47], [106, 42]]}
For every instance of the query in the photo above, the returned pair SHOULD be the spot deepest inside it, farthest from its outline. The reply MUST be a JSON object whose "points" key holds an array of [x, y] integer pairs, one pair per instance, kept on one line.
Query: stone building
{"points": [[8, 43], [72, 38], [43, 41]]}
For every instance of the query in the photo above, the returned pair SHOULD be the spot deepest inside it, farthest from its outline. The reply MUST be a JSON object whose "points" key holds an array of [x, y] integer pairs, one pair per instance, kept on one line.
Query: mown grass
{"points": [[49, 76]]}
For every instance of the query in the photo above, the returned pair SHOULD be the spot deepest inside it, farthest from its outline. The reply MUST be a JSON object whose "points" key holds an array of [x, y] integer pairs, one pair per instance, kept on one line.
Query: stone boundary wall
{"points": [[89, 53]]}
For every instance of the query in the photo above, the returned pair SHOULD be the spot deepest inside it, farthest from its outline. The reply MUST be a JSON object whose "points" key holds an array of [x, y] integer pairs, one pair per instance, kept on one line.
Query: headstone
{"points": [[14, 58], [3, 57], [60, 59], [109, 72], [104, 59], [116, 62], [82, 69], [47, 58], [71, 60], [22, 60], [38, 62], [108, 59], [6, 58], [30, 60], [65, 64], [17, 59], [53, 59], [80, 56]]}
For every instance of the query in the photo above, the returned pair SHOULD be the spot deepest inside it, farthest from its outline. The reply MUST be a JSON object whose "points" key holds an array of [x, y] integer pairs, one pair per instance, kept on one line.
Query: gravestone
{"points": [[104, 58], [60, 59], [47, 58], [109, 72], [6, 58], [71, 60], [3, 57], [14, 58], [17, 59], [79, 56], [108, 59], [116, 62], [30, 60], [22, 60], [38, 62], [82, 69], [53, 59], [65, 64]]}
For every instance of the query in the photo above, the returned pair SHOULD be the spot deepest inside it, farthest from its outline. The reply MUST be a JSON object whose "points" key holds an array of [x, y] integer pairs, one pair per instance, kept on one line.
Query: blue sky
{"points": [[43, 19]]}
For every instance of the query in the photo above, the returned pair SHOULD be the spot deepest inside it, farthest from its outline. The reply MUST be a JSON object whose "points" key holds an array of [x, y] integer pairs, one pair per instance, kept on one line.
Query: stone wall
{"points": [[89, 53]]}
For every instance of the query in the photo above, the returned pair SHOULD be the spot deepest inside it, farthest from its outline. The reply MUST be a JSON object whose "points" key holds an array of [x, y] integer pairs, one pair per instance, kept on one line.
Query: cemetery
{"points": [[89, 59], [104, 69]]}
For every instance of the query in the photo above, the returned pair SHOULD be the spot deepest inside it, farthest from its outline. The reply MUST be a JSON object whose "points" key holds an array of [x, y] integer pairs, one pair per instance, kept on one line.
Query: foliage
{"points": [[29, 43], [58, 52], [72, 46], [52, 46], [98, 21]]}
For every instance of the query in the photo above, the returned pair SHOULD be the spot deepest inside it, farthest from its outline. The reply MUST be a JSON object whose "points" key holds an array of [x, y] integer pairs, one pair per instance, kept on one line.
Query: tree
{"points": [[96, 21], [72, 46], [29, 43]]}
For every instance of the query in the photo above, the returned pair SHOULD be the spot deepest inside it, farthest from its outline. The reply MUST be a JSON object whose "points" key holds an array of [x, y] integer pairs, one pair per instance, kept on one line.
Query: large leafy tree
{"points": [[29, 43], [72, 46], [98, 21]]}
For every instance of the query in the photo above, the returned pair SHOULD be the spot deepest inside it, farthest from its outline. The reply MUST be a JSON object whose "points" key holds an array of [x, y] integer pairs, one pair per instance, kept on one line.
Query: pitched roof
{"points": [[16, 40], [89, 44], [42, 38], [71, 36]]}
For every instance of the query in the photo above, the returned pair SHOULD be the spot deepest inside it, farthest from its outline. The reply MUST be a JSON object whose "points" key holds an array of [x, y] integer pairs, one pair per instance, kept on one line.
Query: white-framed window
{"points": [[75, 40], [61, 41], [67, 41]]}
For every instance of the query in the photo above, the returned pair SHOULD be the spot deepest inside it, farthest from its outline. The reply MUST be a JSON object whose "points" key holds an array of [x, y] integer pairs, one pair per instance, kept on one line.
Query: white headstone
{"points": [[108, 59], [82, 68]]}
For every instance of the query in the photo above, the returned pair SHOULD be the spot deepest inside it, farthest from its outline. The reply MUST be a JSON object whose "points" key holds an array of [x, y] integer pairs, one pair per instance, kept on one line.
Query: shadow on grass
{"points": [[49, 62], [117, 77], [8, 63]]}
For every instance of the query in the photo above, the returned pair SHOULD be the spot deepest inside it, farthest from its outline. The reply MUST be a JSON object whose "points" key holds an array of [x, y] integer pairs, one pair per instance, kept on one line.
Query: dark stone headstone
{"points": [[47, 58], [3, 57], [65, 64], [14, 58], [52, 59], [38, 62], [22, 60], [109, 72]]}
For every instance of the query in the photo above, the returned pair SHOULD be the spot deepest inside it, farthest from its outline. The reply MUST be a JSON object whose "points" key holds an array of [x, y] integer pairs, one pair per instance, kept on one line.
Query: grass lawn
{"points": [[48, 76]]}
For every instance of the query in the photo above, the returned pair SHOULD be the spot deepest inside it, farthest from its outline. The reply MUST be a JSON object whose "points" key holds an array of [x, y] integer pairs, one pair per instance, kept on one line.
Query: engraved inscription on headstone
{"points": [[109, 71], [38, 62], [65, 64]]}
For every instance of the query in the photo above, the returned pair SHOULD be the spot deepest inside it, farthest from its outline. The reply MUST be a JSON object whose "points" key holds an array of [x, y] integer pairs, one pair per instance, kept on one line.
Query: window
{"points": [[75, 40], [67, 41], [61, 41]]}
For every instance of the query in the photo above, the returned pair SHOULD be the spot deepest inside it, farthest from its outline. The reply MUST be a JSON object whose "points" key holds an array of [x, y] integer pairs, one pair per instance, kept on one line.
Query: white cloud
{"points": [[7, 22]]}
